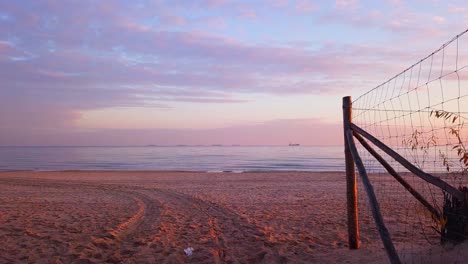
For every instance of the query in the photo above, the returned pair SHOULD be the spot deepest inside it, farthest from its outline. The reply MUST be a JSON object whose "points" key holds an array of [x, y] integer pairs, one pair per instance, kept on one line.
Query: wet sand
{"points": [[151, 217]]}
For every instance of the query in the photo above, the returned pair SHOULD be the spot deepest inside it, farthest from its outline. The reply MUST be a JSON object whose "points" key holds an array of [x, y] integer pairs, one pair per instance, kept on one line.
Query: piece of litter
{"points": [[188, 251]]}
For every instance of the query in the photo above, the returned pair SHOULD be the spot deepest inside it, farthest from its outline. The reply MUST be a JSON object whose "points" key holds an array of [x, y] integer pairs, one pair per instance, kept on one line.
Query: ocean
{"points": [[180, 158]]}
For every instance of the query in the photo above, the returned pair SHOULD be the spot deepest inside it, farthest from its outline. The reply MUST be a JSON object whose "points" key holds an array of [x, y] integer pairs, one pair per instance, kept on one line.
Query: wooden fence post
{"points": [[351, 187]]}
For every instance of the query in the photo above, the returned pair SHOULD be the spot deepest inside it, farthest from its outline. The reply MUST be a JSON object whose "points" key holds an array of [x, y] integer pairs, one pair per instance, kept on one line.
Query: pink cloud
{"points": [[215, 22], [456, 9], [438, 19], [246, 12], [227, 61], [5, 46], [346, 4], [216, 3], [23, 115], [173, 20], [110, 54], [278, 3], [132, 26], [304, 6]]}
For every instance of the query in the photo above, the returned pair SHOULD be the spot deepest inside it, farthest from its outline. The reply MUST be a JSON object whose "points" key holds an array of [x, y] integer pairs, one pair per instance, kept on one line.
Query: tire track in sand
{"points": [[164, 223], [124, 239], [128, 242], [216, 233], [124, 228]]}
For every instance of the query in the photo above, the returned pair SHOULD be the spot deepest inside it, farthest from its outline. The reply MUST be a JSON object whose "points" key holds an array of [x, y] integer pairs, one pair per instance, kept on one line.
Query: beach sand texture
{"points": [[151, 217]]}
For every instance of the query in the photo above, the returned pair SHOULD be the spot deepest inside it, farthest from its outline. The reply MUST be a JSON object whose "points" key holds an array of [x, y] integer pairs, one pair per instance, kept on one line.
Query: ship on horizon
{"points": [[294, 144]]}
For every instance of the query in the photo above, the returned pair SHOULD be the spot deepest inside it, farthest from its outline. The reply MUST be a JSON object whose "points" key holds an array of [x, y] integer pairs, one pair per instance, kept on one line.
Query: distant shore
{"points": [[152, 216]]}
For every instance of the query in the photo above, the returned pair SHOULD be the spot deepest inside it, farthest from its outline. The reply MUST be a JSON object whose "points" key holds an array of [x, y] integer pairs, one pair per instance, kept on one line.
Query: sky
{"points": [[202, 72]]}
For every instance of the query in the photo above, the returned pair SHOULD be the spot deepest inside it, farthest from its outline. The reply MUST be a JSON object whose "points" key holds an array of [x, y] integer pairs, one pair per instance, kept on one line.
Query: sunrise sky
{"points": [[202, 72]]}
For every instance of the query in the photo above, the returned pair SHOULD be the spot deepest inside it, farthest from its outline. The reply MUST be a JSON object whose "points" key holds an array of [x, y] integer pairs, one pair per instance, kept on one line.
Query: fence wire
{"points": [[421, 113]]}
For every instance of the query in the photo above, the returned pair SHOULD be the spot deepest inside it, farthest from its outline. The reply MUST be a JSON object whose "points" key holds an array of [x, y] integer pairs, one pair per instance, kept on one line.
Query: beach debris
{"points": [[188, 251]]}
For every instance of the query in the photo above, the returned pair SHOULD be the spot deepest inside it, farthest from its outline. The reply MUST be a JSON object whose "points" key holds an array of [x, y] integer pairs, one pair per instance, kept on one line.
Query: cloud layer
{"points": [[60, 58]]}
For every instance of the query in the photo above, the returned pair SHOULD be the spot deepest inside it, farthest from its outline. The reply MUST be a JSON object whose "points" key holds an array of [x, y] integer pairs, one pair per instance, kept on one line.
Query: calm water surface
{"points": [[199, 158]]}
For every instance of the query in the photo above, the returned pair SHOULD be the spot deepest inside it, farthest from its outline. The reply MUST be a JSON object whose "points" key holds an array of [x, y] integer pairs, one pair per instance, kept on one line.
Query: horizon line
{"points": [[169, 145]]}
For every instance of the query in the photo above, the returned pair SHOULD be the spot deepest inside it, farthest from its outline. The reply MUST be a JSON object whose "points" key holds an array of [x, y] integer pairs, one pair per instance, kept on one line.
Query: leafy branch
{"points": [[444, 114], [417, 141], [460, 147]]}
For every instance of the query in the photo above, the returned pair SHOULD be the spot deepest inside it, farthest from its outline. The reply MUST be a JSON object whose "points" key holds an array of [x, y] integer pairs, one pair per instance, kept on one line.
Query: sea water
{"points": [[181, 158]]}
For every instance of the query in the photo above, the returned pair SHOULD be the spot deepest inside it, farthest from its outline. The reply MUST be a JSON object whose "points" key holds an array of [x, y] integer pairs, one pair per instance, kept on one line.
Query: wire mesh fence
{"points": [[422, 114]]}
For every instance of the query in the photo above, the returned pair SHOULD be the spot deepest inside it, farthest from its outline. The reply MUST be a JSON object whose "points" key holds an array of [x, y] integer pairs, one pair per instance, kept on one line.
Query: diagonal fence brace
{"points": [[397, 176], [405, 163], [383, 231]]}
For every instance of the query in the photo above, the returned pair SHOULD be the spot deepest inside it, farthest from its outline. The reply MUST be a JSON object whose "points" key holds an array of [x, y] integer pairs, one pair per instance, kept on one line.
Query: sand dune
{"points": [[151, 217]]}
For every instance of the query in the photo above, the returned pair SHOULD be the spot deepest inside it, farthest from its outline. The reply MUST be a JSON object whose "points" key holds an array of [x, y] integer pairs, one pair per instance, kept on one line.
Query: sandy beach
{"points": [[151, 217]]}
